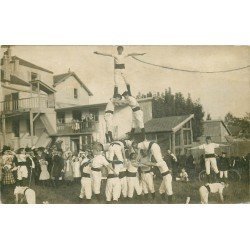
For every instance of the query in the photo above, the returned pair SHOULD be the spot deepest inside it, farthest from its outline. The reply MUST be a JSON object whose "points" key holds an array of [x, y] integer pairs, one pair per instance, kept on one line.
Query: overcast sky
{"points": [[218, 93]]}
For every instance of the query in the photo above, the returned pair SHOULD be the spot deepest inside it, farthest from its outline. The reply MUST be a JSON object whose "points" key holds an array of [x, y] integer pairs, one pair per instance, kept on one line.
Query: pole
{"points": [[31, 129]]}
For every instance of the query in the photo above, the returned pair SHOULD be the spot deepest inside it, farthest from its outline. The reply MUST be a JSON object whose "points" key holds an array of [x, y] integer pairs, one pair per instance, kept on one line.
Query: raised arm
{"points": [[102, 54], [136, 54]]}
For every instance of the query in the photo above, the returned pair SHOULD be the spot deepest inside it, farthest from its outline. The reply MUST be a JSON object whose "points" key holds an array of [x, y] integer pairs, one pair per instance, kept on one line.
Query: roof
{"points": [[18, 81], [169, 123], [62, 77], [29, 64], [15, 80], [94, 105], [214, 121]]}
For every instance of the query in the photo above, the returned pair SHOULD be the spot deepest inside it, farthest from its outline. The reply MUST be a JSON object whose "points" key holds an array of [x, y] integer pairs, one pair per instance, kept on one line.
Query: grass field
{"points": [[237, 192]]}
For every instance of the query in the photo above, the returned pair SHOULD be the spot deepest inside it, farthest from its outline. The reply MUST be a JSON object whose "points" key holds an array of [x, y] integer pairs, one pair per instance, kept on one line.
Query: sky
{"points": [[218, 93]]}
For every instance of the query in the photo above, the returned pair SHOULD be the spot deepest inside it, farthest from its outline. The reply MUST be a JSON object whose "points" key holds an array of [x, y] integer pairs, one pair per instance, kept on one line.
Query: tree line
{"points": [[175, 104]]}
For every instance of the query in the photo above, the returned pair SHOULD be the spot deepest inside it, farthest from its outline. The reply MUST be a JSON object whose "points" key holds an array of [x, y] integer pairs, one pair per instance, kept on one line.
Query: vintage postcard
{"points": [[125, 124]]}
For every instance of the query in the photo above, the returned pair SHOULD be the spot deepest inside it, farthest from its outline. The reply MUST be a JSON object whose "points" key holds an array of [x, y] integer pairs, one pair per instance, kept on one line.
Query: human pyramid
{"points": [[124, 159]]}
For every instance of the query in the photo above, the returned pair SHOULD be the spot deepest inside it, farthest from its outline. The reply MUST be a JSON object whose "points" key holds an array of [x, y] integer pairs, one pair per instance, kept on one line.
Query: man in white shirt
{"points": [[119, 65], [210, 160], [86, 180], [108, 117], [151, 148], [166, 184], [212, 188], [98, 162], [24, 193], [147, 177], [137, 115], [132, 177]]}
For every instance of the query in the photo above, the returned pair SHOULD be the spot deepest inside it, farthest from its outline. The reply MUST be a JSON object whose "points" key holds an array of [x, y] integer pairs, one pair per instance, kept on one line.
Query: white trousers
{"points": [[108, 117], [86, 189], [203, 195], [124, 187], [224, 174], [113, 189], [115, 150], [137, 119], [166, 185], [30, 196], [133, 185], [96, 181], [120, 75], [156, 152], [211, 163], [147, 181]]}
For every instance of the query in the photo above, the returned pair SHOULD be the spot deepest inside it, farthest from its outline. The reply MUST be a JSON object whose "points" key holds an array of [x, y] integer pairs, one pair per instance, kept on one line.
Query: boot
{"points": [[98, 197], [146, 196], [170, 199], [129, 90], [153, 195], [110, 136], [132, 132], [107, 138], [143, 134], [163, 197]]}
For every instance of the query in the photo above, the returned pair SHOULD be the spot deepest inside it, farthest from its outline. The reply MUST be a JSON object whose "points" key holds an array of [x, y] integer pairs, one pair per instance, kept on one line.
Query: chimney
{"points": [[16, 66], [6, 68]]}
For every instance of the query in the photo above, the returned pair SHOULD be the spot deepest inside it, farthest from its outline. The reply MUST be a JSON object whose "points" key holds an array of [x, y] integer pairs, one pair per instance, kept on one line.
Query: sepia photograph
{"points": [[124, 124]]}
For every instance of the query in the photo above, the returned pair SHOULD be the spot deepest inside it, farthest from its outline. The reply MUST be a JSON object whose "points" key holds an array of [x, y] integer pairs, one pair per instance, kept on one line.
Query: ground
{"points": [[237, 192]]}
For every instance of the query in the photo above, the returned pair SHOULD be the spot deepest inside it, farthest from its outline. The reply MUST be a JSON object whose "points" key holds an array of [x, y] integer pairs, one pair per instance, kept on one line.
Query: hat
{"points": [[5, 148]]}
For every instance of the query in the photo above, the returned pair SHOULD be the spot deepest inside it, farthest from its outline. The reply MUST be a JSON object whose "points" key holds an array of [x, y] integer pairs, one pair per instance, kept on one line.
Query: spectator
{"points": [[190, 165]]}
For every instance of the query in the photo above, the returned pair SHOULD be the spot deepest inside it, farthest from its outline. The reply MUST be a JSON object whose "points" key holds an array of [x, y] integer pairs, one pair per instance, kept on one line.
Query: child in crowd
{"points": [[44, 176], [183, 176], [76, 169]]}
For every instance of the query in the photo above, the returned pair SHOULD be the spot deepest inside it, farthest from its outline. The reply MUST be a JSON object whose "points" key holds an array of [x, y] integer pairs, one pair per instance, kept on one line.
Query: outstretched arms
{"points": [[136, 54], [102, 54]]}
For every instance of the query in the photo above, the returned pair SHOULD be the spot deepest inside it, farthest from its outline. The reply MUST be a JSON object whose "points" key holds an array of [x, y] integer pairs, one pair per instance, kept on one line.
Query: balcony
{"points": [[80, 127], [23, 105]]}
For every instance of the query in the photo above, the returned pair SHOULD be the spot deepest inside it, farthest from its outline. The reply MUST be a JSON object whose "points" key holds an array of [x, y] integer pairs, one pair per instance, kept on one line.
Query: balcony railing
{"points": [[77, 127], [23, 104]]}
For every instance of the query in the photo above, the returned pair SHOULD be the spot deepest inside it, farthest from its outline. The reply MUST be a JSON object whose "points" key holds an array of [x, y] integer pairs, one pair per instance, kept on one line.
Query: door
{"points": [[75, 144]]}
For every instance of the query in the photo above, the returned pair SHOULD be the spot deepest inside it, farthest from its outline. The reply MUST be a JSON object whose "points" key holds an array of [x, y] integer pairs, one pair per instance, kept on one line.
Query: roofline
{"points": [[176, 128], [76, 77], [33, 66], [82, 106], [44, 84]]}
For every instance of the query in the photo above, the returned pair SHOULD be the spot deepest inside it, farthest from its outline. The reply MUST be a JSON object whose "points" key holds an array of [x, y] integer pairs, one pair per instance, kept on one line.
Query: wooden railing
{"points": [[23, 104], [77, 127]]}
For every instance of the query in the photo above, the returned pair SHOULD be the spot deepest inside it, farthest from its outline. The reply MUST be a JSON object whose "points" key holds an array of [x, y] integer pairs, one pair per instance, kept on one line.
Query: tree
{"points": [[242, 123], [169, 104]]}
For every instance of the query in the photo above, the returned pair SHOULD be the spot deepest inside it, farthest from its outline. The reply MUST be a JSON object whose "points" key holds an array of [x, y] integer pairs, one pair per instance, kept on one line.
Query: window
{"points": [[178, 138], [16, 127], [77, 115], [75, 93], [187, 137], [60, 117]]}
